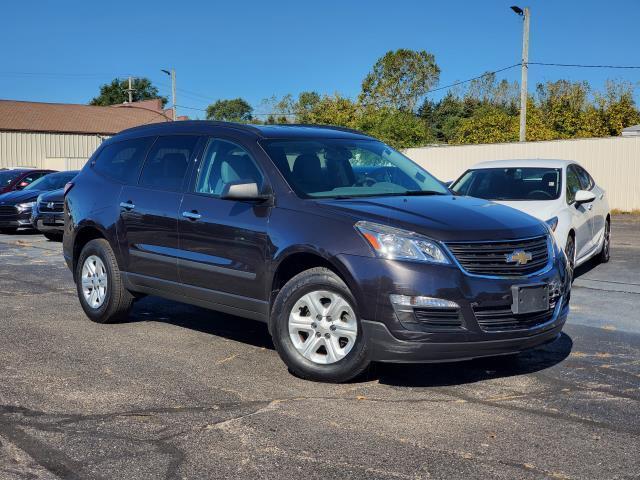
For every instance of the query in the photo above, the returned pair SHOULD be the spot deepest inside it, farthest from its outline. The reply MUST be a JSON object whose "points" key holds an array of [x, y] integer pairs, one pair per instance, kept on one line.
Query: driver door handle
{"points": [[192, 215]]}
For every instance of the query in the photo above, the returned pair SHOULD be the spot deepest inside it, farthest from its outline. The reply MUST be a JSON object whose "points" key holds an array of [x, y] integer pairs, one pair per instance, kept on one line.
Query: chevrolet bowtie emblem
{"points": [[518, 256]]}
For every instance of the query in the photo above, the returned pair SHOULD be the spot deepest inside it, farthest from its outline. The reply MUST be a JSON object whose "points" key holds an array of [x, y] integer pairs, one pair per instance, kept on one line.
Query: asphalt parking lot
{"points": [[180, 392]]}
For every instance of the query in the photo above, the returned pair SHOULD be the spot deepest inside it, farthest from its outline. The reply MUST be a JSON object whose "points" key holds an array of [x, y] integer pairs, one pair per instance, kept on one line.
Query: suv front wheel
{"points": [[99, 284], [316, 328]]}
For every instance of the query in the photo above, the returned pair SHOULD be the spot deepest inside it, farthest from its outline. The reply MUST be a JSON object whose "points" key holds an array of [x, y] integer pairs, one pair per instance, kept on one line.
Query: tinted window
{"points": [[121, 160], [348, 168], [167, 162], [52, 181], [510, 183], [573, 184], [26, 181], [224, 163], [8, 176]]}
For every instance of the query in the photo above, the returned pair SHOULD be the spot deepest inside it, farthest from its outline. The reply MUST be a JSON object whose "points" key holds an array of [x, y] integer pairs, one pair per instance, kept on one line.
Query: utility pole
{"points": [[525, 14], [172, 74], [173, 89], [130, 90]]}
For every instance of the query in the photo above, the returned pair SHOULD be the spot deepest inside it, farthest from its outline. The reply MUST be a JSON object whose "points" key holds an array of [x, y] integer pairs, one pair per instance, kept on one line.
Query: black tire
{"points": [[118, 301], [605, 254], [8, 231], [54, 237], [570, 252], [355, 361]]}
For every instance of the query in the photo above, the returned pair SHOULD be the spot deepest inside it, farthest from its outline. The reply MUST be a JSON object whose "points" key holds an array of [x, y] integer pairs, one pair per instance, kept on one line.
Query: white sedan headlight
{"points": [[25, 206], [396, 244]]}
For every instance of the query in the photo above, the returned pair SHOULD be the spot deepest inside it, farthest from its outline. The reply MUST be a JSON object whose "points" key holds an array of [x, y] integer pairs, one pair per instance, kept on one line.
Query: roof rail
{"points": [[217, 123], [321, 125]]}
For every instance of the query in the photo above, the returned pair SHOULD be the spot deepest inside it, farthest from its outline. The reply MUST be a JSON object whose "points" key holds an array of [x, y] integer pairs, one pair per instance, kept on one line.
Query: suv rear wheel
{"points": [[99, 284], [316, 329]]}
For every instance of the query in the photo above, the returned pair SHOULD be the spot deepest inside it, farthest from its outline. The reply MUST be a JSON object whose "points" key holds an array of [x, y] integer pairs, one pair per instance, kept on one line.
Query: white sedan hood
{"points": [[543, 210]]}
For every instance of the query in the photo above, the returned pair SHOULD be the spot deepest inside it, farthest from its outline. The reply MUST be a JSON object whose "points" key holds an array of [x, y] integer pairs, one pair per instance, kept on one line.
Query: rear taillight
{"points": [[68, 186]]}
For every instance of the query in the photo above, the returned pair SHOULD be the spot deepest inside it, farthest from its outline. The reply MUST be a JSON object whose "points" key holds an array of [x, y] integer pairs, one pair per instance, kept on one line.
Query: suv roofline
{"points": [[258, 130]]}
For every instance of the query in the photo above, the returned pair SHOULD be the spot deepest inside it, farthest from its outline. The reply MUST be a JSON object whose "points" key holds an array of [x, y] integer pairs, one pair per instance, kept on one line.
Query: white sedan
{"points": [[559, 192]]}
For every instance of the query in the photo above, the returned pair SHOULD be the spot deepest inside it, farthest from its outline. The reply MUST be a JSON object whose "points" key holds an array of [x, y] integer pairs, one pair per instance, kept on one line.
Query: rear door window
{"points": [[121, 160], [168, 161]]}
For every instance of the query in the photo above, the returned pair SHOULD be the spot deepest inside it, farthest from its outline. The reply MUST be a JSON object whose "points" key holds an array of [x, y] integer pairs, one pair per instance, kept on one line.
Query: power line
{"points": [[462, 82], [578, 65]]}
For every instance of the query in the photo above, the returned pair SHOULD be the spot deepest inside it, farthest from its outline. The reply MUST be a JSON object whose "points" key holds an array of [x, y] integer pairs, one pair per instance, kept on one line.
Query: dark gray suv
{"points": [[348, 250]]}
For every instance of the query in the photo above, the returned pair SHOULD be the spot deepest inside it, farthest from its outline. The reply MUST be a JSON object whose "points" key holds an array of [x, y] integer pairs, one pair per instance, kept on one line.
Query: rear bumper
{"points": [[385, 347]]}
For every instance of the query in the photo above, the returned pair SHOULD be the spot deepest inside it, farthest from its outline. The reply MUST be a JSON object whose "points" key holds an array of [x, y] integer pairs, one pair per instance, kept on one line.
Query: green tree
{"points": [[115, 92], [397, 128], [400, 79], [234, 110], [617, 107], [563, 104], [488, 124]]}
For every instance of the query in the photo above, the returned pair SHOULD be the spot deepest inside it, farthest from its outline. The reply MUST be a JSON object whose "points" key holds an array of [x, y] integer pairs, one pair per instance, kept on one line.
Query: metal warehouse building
{"points": [[63, 136]]}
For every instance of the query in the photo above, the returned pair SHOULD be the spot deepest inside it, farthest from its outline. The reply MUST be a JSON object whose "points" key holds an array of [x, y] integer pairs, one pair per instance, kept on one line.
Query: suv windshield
{"points": [[53, 181], [8, 176], [510, 183], [339, 168]]}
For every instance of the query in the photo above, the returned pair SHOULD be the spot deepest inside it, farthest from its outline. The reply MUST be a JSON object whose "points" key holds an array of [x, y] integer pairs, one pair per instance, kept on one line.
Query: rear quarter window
{"points": [[121, 161]]}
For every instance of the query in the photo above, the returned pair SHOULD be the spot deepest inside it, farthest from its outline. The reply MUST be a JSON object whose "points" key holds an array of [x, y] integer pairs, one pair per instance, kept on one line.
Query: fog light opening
{"points": [[421, 301]]}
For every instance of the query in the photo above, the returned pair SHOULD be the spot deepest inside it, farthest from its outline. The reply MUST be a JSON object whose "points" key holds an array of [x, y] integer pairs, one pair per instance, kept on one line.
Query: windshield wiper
{"points": [[418, 193]]}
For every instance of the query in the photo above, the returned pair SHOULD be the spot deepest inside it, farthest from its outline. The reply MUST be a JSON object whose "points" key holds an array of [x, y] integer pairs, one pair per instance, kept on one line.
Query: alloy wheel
{"points": [[94, 281], [323, 327]]}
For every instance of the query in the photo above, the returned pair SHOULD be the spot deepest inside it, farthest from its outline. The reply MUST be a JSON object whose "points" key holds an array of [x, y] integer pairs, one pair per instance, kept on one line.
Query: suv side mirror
{"points": [[243, 191], [584, 196]]}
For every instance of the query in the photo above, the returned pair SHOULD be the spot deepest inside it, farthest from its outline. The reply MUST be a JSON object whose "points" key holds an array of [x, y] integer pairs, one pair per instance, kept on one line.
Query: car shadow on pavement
{"points": [[251, 332], [198, 319], [458, 373]]}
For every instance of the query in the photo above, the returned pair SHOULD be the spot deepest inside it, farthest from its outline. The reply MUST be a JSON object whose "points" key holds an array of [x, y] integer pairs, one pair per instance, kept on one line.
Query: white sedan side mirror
{"points": [[584, 196]]}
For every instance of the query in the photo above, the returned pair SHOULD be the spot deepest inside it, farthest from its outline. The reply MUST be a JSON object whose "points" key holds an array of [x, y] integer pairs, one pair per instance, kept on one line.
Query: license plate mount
{"points": [[529, 298]]}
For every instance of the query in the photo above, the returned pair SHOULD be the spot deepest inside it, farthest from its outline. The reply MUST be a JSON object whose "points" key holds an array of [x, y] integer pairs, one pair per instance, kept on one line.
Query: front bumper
{"points": [[48, 222], [390, 339], [20, 219]]}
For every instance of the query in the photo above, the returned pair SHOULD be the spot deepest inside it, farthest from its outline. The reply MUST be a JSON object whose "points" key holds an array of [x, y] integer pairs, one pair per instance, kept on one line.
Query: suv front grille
{"points": [[7, 211], [490, 258], [498, 319], [57, 207]]}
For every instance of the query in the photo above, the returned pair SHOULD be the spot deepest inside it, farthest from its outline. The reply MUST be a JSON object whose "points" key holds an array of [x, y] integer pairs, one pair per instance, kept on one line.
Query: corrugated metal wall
{"points": [[613, 162], [26, 149]]}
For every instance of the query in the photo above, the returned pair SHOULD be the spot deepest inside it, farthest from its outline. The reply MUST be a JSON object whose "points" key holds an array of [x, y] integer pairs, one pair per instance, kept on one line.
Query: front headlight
{"points": [[25, 206], [552, 223], [396, 244]]}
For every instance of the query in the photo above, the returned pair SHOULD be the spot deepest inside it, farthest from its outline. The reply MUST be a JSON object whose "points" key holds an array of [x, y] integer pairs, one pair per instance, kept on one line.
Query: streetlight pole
{"points": [[172, 74], [525, 14]]}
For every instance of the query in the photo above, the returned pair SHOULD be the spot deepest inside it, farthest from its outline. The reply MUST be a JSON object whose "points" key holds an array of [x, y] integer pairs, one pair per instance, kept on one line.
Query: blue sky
{"points": [[62, 51]]}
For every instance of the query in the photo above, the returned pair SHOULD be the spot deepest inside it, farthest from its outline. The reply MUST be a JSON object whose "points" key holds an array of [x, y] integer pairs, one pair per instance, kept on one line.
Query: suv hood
{"points": [[19, 196], [446, 218], [53, 196]]}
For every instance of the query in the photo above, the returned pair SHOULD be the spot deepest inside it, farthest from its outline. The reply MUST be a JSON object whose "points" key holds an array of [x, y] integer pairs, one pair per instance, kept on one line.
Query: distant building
{"points": [[631, 131], [63, 136]]}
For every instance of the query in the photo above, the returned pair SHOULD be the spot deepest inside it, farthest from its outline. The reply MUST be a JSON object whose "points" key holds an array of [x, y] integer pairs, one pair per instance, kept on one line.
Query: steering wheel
{"points": [[366, 182], [543, 192]]}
